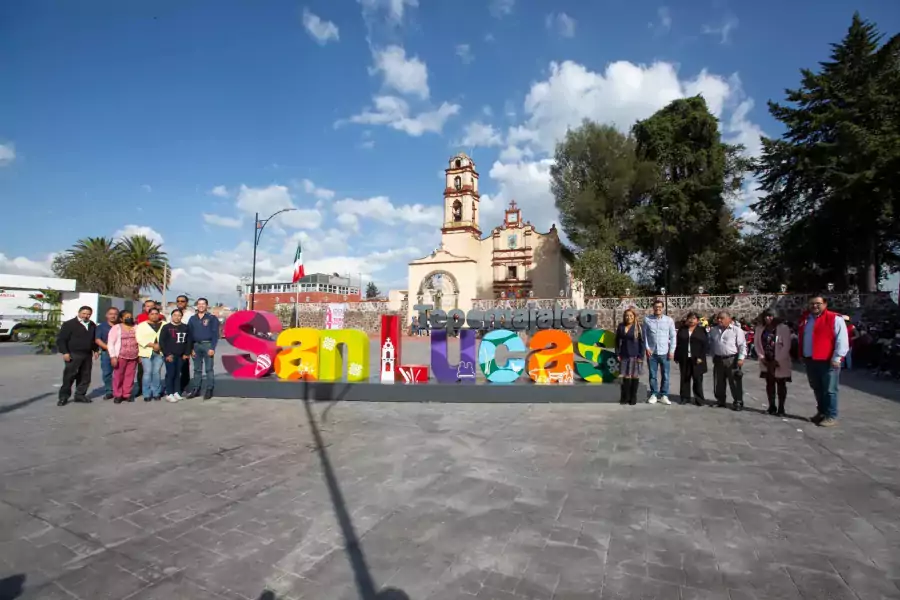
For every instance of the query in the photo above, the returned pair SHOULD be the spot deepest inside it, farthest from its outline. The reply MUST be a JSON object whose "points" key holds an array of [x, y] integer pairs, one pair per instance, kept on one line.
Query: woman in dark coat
{"points": [[630, 352], [691, 348]]}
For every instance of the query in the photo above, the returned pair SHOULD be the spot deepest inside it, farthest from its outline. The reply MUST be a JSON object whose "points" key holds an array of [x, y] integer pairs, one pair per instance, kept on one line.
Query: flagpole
{"points": [[165, 281], [296, 299]]}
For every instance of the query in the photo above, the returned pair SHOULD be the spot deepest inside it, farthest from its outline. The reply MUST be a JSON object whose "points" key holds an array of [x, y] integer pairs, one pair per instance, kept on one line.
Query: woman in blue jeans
{"points": [[147, 335]]}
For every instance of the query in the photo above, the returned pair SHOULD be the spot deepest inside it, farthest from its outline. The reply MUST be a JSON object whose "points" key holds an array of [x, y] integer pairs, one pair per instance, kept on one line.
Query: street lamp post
{"points": [[258, 227], [665, 209]]}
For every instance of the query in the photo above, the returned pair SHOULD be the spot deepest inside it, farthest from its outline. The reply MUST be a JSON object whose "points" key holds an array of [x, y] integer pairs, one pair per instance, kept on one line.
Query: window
{"points": [[457, 183], [511, 273], [511, 241], [457, 210], [458, 163]]}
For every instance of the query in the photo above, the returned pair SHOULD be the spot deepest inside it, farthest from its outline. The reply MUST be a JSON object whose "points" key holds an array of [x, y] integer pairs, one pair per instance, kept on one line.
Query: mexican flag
{"points": [[298, 264]]}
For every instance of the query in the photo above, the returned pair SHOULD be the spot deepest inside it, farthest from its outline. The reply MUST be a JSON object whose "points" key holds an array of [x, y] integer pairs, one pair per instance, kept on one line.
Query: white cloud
{"points": [[148, 232], [7, 154], [19, 265], [723, 31], [622, 94], [408, 76], [381, 209], [221, 221], [501, 8], [394, 112], [394, 9], [562, 24], [349, 220], [146, 187], [322, 31], [221, 191], [664, 19], [464, 52], [273, 198], [319, 192], [480, 134]]}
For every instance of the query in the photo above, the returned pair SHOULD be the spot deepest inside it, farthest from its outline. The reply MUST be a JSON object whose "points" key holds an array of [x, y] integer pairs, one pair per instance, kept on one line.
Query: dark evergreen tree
{"points": [[831, 180]]}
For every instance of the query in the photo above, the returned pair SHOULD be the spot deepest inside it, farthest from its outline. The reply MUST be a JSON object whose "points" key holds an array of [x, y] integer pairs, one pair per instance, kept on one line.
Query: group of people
{"points": [[822, 344], [135, 351]]}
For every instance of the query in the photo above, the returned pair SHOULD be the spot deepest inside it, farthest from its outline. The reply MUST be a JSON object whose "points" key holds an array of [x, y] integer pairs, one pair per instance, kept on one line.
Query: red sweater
{"points": [[823, 341]]}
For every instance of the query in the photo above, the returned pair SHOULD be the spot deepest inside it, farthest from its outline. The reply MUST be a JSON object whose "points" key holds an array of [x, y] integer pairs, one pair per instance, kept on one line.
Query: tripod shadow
{"points": [[12, 587]]}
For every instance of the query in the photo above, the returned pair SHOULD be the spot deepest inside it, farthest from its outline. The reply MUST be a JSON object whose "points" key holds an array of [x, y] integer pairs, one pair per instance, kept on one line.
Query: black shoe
{"points": [[208, 394], [192, 394], [699, 401], [781, 412], [131, 398], [720, 405], [738, 406], [117, 400], [817, 419], [772, 410], [148, 398], [62, 402], [157, 398], [108, 397], [83, 400]]}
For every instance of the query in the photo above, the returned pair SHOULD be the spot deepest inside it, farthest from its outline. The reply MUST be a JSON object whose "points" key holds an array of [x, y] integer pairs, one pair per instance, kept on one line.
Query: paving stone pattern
{"points": [[235, 499]]}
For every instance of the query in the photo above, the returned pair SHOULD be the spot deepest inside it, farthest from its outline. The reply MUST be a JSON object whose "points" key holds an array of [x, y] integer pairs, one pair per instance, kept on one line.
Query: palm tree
{"points": [[143, 265], [92, 263]]}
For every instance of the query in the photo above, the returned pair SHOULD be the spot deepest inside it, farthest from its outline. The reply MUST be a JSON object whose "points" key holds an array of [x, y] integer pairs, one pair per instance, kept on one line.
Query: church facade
{"points": [[513, 260]]}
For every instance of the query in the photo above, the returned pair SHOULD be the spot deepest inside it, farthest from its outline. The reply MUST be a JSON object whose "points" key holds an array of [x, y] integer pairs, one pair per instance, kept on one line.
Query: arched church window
{"points": [[458, 163], [457, 211], [457, 182]]}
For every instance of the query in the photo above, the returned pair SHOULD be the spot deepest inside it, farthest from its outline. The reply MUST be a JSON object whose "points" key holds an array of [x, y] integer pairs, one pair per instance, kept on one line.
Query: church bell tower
{"points": [[461, 197]]}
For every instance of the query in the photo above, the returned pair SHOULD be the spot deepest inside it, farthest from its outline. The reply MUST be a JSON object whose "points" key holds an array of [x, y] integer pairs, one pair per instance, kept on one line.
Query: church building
{"points": [[513, 260]]}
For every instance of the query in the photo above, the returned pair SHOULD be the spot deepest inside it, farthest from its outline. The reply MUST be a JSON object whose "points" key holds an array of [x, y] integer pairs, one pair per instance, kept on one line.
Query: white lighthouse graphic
{"points": [[387, 361]]}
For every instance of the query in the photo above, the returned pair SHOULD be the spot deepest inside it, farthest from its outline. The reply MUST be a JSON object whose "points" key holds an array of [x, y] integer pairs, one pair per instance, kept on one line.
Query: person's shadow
{"points": [[12, 587]]}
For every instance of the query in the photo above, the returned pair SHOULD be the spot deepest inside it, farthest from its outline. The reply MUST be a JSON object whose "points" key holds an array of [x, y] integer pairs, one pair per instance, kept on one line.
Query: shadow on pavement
{"points": [[860, 380], [12, 587], [8, 408], [365, 585]]}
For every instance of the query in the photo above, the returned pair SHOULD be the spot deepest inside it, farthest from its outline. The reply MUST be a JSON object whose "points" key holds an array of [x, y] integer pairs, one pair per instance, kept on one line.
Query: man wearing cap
{"points": [[823, 345]]}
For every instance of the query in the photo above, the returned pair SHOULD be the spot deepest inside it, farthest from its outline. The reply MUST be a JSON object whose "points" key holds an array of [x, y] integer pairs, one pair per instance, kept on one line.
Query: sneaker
{"points": [[665, 399], [651, 399], [171, 398], [828, 422], [177, 396]]}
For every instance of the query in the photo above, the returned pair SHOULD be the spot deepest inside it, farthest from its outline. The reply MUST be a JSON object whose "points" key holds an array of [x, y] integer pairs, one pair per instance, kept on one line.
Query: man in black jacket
{"points": [[77, 343]]}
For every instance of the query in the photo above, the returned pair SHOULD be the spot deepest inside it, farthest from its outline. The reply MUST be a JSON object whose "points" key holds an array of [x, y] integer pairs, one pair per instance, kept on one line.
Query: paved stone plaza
{"points": [[263, 500]]}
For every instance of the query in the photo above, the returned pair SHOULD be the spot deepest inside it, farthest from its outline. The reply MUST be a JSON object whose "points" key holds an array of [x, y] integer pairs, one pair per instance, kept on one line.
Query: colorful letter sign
{"points": [[323, 355]]}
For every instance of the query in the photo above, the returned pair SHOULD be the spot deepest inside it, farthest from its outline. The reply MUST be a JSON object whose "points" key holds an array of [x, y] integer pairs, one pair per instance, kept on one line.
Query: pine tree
{"points": [[47, 319], [831, 179]]}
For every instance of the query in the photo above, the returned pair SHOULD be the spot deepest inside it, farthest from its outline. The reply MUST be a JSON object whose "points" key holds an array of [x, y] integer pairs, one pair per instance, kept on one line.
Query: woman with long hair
{"points": [[691, 348], [123, 355], [773, 346], [630, 352]]}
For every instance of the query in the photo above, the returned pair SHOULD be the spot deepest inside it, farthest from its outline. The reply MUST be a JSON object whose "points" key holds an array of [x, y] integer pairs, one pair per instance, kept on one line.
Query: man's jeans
{"points": [[824, 379], [107, 370], [204, 376], [152, 383], [662, 362]]}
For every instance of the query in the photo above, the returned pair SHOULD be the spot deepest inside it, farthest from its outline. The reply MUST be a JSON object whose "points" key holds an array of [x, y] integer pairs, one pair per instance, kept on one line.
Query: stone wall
{"points": [[367, 316]]}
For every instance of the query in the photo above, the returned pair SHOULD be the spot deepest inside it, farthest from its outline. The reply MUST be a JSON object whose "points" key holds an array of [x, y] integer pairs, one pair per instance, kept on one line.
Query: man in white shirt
{"points": [[728, 345], [659, 339]]}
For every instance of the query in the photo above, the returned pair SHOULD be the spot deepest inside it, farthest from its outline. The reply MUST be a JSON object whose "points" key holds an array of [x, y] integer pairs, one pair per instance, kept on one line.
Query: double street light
{"points": [[258, 227]]}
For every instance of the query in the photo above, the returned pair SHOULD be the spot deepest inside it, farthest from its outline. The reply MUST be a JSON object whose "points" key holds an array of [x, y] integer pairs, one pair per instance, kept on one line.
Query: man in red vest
{"points": [[823, 345]]}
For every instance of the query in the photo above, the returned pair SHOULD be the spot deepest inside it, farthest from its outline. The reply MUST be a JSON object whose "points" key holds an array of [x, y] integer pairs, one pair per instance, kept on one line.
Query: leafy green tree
{"points": [[598, 183], [372, 291], [685, 227], [832, 179], [46, 320], [598, 273]]}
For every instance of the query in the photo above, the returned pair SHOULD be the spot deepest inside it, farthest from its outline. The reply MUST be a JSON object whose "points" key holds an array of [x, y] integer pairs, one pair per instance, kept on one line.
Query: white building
{"points": [[512, 260]]}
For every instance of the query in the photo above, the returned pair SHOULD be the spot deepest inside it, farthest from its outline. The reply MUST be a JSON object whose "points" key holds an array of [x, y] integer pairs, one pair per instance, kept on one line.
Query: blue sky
{"points": [[181, 119]]}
